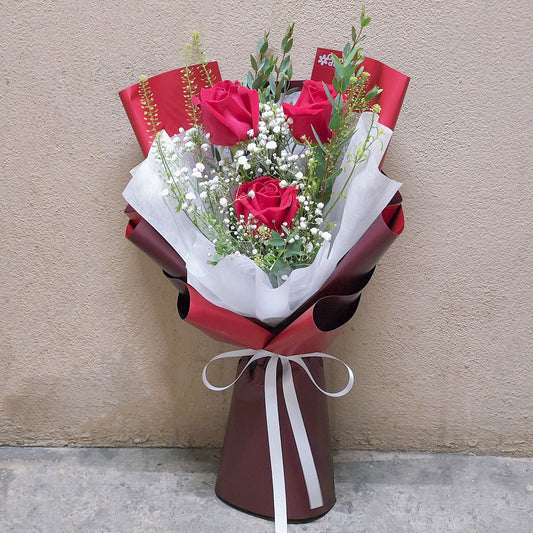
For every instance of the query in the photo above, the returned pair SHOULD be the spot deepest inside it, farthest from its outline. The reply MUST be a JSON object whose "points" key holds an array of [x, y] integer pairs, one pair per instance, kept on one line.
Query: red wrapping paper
{"points": [[168, 91], [349, 278]]}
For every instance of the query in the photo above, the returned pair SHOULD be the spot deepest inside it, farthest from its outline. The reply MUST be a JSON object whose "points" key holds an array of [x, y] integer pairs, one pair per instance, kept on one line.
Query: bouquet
{"points": [[264, 203]]}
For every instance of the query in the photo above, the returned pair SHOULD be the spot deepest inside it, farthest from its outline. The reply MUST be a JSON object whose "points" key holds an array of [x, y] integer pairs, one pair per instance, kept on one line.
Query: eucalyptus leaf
{"points": [[350, 56], [286, 48], [347, 49], [293, 254], [253, 62], [317, 138], [335, 121], [249, 80], [328, 93], [285, 64], [264, 46], [370, 95], [272, 84], [339, 67]]}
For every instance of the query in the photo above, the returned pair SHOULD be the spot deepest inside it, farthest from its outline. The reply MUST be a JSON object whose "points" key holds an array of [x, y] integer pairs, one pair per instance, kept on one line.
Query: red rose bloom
{"points": [[229, 112], [312, 108], [267, 202]]}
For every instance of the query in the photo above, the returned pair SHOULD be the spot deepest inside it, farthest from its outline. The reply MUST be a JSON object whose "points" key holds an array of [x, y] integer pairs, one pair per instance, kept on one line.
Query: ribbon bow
{"points": [[310, 474]]}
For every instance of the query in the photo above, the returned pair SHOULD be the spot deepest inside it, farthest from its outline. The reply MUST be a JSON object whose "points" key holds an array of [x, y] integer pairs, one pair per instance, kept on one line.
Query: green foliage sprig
{"points": [[353, 97], [270, 76], [149, 106], [195, 54]]}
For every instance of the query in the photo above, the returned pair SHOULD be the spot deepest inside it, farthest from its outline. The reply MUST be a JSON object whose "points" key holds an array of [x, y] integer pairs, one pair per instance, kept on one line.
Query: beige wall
{"points": [[92, 351]]}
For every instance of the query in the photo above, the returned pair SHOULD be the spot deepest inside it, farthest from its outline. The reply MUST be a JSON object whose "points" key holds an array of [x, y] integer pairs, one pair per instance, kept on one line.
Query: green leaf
{"points": [[365, 22], [348, 58], [345, 84], [272, 83], [286, 47], [275, 240], [277, 94], [317, 139], [262, 45], [370, 95], [285, 64], [339, 67], [335, 122], [249, 80], [270, 67], [347, 50], [279, 266], [289, 74], [328, 94], [329, 185], [293, 254], [253, 62], [354, 34]]}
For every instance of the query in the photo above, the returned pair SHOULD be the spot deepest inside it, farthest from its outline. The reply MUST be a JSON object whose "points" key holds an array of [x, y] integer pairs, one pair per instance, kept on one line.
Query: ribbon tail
{"points": [[301, 439], [274, 444]]}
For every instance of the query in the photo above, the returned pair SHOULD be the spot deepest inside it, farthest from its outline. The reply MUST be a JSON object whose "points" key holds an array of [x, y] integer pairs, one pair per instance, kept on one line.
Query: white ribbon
{"points": [[295, 418]]}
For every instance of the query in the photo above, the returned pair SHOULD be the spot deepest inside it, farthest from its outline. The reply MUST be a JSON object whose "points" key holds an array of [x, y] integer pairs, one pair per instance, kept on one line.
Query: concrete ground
{"points": [[172, 490]]}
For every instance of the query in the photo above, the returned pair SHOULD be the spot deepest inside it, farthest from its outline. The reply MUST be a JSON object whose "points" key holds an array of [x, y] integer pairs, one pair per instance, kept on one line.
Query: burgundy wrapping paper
{"points": [[144, 236], [351, 275], [244, 478], [220, 324], [168, 92]]}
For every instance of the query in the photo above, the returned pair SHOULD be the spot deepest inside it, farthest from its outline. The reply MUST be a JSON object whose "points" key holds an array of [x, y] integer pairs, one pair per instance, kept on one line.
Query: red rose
{"points": [[312, 108], [229, 112], [267, 202]]}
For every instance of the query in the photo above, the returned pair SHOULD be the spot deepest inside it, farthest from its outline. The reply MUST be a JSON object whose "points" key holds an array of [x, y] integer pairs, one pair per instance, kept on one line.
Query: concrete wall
{"points": [[92, 351]]}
